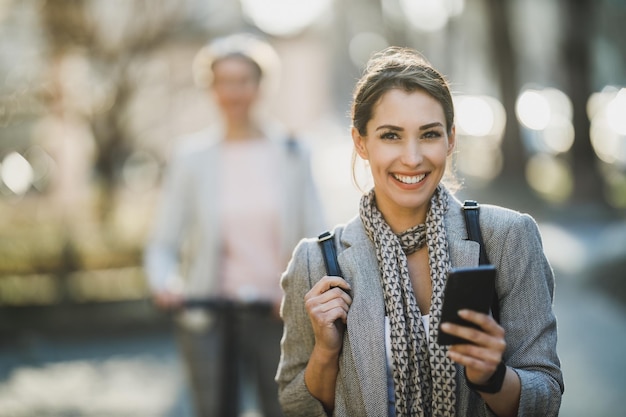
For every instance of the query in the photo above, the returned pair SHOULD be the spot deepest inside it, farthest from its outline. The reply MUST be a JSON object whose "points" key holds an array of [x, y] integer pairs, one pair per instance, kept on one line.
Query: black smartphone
{"points": [[469, 288]]}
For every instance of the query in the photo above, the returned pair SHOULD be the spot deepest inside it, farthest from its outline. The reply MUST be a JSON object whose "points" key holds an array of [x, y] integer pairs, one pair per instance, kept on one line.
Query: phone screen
{"points": [[469, 288]]}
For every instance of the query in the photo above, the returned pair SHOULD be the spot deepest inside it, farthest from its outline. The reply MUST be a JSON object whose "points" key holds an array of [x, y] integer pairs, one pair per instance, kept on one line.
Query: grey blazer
{"points": [[525, 286], [187, 217]]}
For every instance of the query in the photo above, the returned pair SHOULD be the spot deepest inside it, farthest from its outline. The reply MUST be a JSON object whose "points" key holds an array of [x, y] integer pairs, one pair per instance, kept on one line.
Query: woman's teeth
{"points": [[409, 179]]}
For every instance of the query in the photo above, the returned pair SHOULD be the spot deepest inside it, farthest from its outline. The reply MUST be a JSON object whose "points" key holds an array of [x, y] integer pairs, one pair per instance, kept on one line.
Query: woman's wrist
{"points": [[320, 376], [324, 355], [493, 384]]}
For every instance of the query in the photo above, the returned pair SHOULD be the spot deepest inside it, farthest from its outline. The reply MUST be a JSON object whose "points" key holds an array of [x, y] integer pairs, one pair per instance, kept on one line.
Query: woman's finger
{"points": [[328, 302], [328, 288], [322, 304], [474, 365], [475, 336], [489, 354], [329, 282], [484, 321]]}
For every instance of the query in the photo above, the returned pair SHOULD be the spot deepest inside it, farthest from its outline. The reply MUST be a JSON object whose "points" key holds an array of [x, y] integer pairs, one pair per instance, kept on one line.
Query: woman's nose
{"points": [[412, 154]]}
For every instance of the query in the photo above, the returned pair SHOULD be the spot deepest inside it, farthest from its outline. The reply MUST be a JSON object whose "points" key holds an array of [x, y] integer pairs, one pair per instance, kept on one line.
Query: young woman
{"points": [[367, 345], [237, 198]]}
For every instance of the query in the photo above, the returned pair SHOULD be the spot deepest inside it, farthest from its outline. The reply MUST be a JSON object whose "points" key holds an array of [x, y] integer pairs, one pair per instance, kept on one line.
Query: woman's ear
{"points": [[359, 144], [451, 140]]}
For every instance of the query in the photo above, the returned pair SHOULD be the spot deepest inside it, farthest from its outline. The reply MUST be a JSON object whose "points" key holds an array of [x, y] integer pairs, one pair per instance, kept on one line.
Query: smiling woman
{"points": [[372, 349]]}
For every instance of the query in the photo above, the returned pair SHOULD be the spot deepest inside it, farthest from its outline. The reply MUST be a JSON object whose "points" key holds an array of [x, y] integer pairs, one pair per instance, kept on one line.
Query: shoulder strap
{"points": [[293, 147], [327, 243], [471, 211]]}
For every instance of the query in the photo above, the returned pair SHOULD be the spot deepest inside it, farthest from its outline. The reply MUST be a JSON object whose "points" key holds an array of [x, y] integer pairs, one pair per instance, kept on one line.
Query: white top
{"points": [[390, 387], [250, 223]]}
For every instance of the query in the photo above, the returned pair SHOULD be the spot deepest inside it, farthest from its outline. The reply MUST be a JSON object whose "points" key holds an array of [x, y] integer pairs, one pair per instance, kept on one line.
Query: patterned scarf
{"points": [[423, 376]]}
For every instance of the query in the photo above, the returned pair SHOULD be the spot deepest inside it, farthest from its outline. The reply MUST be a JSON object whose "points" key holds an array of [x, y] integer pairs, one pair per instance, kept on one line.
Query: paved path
{"points": [[124, 375], [592, 345]]}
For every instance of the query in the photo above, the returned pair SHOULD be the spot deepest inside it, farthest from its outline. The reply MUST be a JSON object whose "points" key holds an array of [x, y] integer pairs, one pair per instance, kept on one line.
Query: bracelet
{"points": [[494, 384]]}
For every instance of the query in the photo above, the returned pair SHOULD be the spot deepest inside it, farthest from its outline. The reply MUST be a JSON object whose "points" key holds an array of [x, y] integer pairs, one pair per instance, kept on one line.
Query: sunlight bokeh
{"points": [[607, 112], [480, 122], [284, 17], [16, 173], [550, 177]]}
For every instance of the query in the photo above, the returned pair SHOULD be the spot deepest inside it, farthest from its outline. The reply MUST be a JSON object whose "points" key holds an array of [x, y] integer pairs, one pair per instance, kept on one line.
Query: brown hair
{"points": [[403, 68]]}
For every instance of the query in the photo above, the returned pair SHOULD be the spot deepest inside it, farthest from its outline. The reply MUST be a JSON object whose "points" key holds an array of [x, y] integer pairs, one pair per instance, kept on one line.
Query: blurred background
{"points": [[94, 93]]}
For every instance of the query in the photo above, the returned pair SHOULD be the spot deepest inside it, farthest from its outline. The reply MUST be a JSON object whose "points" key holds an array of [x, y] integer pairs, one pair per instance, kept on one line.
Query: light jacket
{"points": [[185, 245], [525, 287]]}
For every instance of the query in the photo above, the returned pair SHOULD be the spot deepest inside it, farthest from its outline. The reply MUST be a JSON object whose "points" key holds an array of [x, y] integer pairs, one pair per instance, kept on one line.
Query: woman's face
{"points": [[406, 145], [236, 87]]}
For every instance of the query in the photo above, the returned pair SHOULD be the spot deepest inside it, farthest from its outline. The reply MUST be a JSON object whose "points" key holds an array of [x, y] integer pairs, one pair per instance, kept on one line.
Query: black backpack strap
{"points": [[327, 243], [471, 210]]}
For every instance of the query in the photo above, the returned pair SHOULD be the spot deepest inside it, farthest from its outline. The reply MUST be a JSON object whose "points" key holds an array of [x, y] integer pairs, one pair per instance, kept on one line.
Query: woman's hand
{"points": [[485, 354], [166, 300], [481, 359], [327, 304]]}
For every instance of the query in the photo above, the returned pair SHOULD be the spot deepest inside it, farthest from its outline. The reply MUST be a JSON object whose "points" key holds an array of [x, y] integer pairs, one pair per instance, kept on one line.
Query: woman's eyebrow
{"points": [[389, 127], [429, 125], [398, 128]]}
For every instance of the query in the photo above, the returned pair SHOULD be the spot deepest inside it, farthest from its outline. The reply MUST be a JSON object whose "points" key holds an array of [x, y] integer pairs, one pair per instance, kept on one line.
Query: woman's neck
{"points": [[242, 131], [400, 220], [400, 225]]}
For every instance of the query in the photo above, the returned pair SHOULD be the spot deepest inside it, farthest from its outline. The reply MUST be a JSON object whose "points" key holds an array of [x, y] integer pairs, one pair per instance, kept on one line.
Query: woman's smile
{"points": [[409, 179]]}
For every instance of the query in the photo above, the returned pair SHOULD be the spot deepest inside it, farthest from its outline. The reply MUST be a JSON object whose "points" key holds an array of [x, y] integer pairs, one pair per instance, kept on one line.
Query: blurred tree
{"points": [[112, 45], [579, 27], [504, 57], [66, 27]]}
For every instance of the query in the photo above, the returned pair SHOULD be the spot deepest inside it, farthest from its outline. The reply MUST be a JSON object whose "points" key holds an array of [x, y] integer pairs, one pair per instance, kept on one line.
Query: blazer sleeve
{"points": [[525, 286], [162, 252], [298, 339]]}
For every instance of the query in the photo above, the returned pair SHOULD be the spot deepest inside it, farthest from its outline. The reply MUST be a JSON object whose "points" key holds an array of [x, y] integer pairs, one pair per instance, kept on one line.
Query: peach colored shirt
{"points": [[249, 204]]}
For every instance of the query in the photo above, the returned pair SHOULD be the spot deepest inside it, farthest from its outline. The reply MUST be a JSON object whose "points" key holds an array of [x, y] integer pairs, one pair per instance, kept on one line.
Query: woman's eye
{"points": [[432, 134], [389, 135]]}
